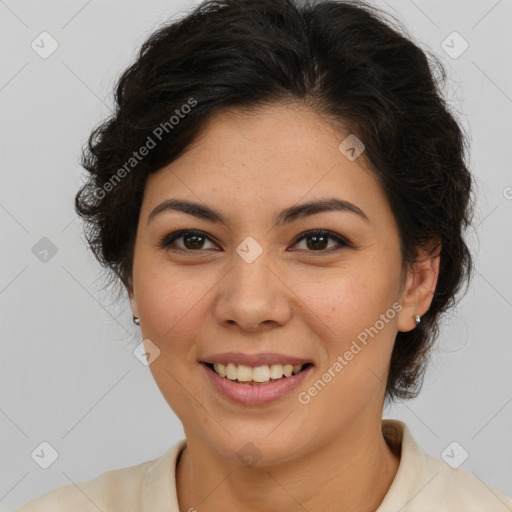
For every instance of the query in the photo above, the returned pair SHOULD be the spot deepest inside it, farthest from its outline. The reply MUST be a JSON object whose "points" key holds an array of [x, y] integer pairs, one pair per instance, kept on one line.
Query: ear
{"points": [[133, 300], [420, 285]]}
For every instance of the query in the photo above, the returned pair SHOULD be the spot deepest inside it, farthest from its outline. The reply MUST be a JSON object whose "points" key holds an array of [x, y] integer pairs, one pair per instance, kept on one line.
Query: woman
{"points": [[283, 195]]}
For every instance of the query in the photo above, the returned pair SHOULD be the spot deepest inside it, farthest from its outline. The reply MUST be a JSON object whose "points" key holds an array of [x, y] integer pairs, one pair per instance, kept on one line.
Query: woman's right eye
{"points": [[191, 240]]}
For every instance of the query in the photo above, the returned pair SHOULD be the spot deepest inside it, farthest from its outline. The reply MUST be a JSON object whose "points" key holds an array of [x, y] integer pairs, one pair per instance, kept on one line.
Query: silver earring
{"points": [[417, 319], [136, 320]]}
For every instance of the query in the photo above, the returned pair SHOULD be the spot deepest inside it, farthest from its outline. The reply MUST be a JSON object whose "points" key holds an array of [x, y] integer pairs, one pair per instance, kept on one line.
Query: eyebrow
{"points": [[286, 216]]}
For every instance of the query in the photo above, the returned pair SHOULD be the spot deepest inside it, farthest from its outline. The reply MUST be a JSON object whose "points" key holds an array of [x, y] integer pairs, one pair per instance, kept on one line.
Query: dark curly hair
{"points": [[342, 59]]}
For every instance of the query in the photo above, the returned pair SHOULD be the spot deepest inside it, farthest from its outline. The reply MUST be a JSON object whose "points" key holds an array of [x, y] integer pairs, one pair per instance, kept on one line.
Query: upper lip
{"points": [[259, 359]]}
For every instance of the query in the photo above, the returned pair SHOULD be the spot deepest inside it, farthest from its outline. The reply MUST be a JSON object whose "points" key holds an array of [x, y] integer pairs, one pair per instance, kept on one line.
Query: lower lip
{"points": [[259, 394]]}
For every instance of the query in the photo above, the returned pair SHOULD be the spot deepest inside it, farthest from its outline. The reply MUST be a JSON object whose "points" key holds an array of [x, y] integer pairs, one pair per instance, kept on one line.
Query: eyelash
{"points": [[168, 240]]}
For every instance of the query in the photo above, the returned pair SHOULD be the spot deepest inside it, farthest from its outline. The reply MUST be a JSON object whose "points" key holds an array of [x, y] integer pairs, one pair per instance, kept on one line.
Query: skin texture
{"points": [[293, 299]]}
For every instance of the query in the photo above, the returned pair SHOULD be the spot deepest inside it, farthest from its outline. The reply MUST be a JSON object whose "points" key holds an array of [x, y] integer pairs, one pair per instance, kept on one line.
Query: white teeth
{"points": [[276, 371], [244, 373], [221, 369], [263, 373], [231, 371]]}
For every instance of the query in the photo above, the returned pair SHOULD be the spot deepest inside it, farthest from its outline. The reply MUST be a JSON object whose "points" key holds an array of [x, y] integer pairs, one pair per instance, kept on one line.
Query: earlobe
{"points": [[134, 307], [419, 290], [133, 301], [135, 310]]}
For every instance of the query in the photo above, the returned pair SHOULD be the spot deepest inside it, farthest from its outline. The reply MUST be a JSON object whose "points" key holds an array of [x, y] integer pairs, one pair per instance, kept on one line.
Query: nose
{"points": [[253, 296]]}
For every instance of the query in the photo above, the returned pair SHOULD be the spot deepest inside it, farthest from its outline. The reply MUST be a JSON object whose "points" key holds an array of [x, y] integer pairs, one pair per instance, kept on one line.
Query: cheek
{"points": [[172, 306], [351, 298], [358, 330], [171, 303], [354, 315]]}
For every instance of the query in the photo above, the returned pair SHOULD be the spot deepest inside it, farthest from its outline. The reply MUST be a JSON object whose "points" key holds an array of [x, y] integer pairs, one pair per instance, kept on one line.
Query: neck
{"points": [[353, 470]]}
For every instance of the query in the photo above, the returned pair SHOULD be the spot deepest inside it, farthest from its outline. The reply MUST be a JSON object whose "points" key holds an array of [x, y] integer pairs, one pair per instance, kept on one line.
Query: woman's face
{"points": [[251, 286]]}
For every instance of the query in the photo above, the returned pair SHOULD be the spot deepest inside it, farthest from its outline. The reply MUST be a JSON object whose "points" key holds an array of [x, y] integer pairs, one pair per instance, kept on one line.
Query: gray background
{"points": [[68, 374]]}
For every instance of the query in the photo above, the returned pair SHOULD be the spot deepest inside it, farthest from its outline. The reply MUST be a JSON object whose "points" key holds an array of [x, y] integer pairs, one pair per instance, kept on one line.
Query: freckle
{"points": [[333, 308]]}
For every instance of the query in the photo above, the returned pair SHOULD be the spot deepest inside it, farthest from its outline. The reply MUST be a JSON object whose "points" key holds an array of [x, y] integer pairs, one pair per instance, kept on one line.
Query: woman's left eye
{"points": [[316, 240]]}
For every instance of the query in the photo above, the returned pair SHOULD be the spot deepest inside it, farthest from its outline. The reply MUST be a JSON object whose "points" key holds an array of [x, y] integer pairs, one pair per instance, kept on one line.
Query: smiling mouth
{"points": [[257, 375]]}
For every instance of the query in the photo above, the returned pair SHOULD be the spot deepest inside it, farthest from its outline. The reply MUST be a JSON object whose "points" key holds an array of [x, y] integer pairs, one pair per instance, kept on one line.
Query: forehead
{"points": [[266, 159]]}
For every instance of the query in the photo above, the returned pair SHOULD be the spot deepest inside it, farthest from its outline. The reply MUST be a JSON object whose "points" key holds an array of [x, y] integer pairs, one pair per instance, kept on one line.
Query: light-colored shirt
{"points": [[422, 484]]}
